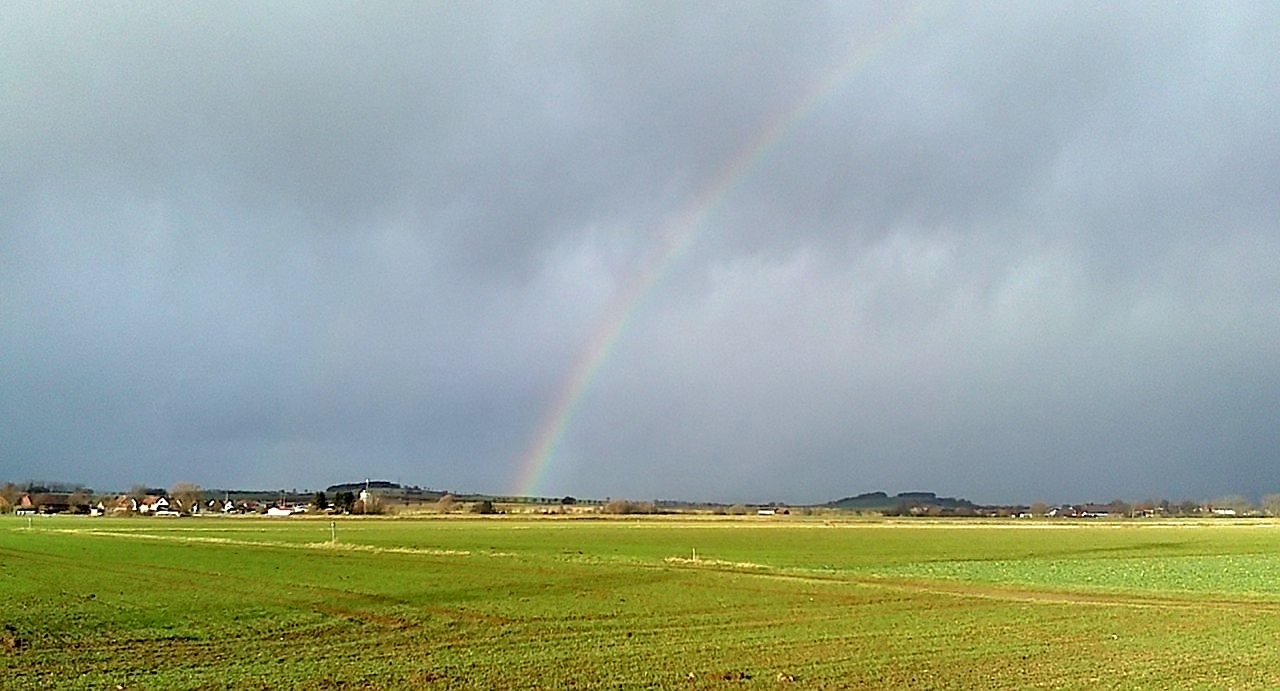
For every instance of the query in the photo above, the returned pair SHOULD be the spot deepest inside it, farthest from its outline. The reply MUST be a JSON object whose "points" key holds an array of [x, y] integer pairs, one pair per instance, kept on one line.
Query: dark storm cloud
{"points": [[1016, 253]]}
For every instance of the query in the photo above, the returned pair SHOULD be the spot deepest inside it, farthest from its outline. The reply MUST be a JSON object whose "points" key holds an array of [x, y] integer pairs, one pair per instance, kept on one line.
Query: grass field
{"points": [[556, 603]]}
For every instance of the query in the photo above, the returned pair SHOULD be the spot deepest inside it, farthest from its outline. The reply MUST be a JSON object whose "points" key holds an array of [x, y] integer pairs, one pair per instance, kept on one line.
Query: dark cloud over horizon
{"points": [[1019, 253]]}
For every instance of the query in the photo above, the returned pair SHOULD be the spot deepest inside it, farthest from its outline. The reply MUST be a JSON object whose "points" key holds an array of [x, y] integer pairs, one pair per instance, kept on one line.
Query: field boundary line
{"points": [[980, 590], [985, 591]]}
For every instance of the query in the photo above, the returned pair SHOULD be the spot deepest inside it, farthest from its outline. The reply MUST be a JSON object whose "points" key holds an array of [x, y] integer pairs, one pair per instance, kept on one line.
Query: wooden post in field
{"points": [[333, 531]]}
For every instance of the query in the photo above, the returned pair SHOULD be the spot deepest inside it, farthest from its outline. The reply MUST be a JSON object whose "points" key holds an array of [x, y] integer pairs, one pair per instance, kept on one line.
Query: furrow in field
{"points": [[1073, 597], [970, 589]]}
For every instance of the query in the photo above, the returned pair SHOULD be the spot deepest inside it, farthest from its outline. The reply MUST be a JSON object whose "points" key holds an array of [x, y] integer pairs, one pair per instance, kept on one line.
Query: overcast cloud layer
{"points": [[1025, 251]]}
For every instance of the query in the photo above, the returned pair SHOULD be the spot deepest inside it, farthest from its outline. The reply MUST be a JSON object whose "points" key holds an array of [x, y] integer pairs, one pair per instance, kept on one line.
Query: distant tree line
{"points": [[627, 506], [357, 486]]}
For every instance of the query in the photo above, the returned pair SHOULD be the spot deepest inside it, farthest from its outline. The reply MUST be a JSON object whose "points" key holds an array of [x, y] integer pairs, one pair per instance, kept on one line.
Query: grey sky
{"points": [[1023, 251]]}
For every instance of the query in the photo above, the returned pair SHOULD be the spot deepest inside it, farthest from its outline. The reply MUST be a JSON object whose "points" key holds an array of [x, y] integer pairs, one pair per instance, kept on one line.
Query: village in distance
{"points": [[379, 497]]}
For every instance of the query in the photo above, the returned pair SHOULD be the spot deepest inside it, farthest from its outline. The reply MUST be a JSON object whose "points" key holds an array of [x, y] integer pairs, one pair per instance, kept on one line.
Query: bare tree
{"points": [[79, 499], [188, 494], [627, 506]]}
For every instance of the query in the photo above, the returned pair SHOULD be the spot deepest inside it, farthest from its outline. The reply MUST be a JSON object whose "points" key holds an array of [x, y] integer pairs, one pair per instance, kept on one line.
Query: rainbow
{"points": [[677, 237]]}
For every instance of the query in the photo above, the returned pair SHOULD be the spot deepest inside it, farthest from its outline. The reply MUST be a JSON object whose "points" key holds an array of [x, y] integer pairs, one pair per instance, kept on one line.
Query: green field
{"points": [[555, 603]]}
